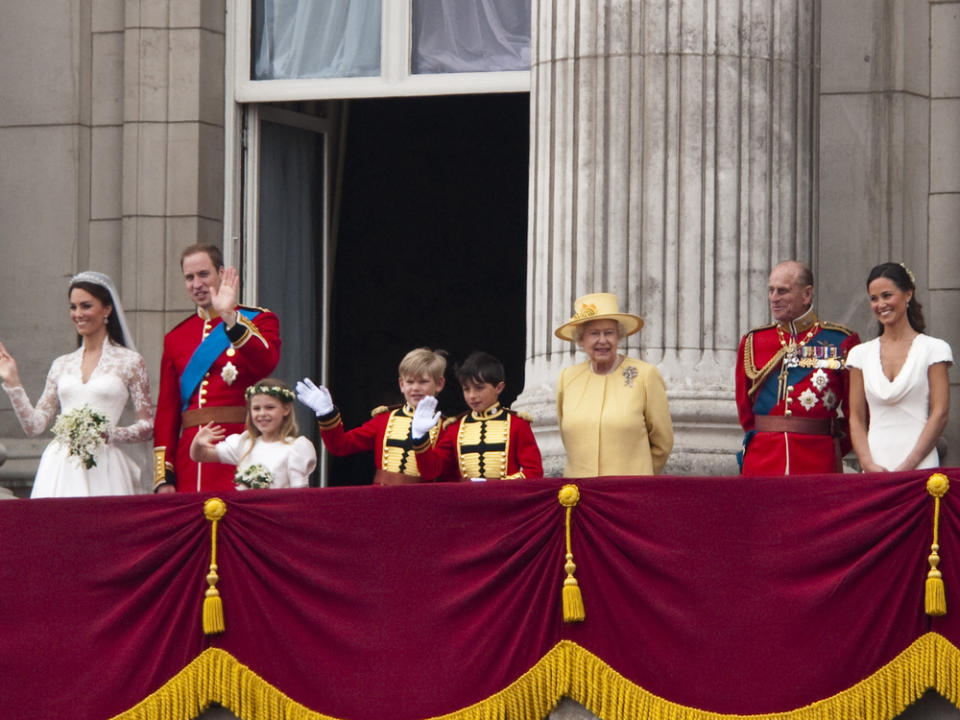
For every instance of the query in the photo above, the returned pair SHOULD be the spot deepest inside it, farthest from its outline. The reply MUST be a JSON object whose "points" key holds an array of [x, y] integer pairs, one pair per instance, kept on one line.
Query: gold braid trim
{"points": [[755, 376], [567, 670]]}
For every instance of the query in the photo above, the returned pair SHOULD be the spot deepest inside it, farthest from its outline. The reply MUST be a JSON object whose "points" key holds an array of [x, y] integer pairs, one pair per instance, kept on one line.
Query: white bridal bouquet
{"points": [[255, 477], [81, 431]]}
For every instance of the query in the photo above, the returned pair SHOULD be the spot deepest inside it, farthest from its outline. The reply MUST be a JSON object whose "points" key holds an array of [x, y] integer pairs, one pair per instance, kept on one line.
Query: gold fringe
{"points": [[573, 610], [213, 509], [935, 596], [567, 670], [882, 696]]}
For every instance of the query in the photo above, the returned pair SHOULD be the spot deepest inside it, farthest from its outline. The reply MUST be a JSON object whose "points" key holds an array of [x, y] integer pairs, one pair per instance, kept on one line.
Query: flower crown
{"points": [[281, 393]]}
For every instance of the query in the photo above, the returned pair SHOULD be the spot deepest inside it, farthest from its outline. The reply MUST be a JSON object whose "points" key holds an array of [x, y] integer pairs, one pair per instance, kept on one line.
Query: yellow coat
{"points": [[614, 424]]}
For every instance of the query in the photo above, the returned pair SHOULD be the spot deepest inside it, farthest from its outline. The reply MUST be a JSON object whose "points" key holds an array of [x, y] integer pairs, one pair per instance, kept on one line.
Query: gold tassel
{"points": [[935, 599], [573, 610], [214, 509]]}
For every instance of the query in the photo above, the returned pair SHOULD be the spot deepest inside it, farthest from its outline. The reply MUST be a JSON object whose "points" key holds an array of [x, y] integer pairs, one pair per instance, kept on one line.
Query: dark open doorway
{"points": [[431, 248]]}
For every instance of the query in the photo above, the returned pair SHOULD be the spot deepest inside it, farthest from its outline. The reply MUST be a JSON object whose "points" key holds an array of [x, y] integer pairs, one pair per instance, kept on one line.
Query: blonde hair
{"points": [[288, 428], [423, 361]]}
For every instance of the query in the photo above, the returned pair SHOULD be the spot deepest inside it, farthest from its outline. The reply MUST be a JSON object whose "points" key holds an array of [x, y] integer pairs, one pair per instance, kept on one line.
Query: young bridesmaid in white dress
{"points": [[899, 389], [269, 448], [103, 373]]}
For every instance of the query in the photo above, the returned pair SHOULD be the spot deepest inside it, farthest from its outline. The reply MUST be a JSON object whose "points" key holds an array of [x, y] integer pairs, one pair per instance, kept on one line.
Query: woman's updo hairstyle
{"points": [[114, 331], [904, 280]]}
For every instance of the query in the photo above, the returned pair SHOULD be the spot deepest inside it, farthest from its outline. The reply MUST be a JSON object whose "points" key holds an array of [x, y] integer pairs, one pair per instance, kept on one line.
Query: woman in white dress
{"points": [[899, 390], [103, 373]]}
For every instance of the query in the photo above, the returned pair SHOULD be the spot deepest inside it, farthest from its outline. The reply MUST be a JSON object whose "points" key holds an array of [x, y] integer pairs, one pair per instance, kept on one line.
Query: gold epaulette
{"points": [[523, 415], [768, 326], [253, 307], [827, 325], [448, 421], [381, 409]]}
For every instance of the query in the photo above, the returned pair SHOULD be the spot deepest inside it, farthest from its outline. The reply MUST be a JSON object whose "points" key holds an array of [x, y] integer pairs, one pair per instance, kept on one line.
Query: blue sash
{"points": [[204, 356]]}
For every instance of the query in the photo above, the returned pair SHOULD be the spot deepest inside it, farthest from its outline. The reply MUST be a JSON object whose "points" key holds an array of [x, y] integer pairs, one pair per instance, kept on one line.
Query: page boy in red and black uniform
{"points": [[393, 434], [488, 442]]}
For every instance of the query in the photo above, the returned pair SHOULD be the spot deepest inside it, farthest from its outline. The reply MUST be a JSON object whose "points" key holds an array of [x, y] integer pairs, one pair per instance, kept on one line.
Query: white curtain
{"points": [[470, 35], [316, 38]]}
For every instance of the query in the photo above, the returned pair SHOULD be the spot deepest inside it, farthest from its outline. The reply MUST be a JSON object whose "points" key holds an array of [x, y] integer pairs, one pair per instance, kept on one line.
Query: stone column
{"points": [[671, 163], [172, 175]]}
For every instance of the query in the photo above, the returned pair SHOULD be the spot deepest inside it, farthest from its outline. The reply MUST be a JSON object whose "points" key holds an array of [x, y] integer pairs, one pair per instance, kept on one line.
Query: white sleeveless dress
{"points": [[899, 408], [120, 375]]}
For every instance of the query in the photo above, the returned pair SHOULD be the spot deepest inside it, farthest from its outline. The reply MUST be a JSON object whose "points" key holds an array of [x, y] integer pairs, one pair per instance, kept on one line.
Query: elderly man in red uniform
{"points": [[208, 361], [792, 383]]}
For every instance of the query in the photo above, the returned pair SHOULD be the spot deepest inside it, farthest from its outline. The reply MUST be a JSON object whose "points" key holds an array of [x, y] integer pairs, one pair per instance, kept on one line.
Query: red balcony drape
{"points": [[702, 595]]}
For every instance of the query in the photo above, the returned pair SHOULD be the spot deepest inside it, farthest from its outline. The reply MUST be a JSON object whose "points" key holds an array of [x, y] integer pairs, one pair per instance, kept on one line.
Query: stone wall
{"points": [[111, 134], [889, 169]]}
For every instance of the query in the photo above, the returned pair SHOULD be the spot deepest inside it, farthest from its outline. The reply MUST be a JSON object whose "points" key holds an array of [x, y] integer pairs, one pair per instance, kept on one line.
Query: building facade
{"points": [[676, 151], [673, 152]]}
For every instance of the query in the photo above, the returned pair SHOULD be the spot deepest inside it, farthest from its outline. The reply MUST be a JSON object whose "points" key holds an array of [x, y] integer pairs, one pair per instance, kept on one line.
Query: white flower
{"points": [[808, 398], [254, 476], [229, 373], [820, 379], [81, 432]]}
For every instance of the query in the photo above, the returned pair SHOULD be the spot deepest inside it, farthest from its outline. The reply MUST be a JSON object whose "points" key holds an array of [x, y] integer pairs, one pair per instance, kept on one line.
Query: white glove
{"points": [[424, 417], [316, 398]]}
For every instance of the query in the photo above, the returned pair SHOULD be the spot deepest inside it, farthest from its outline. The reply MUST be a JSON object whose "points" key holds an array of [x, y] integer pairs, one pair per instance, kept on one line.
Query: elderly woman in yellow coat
{"points": [[612, 409]]}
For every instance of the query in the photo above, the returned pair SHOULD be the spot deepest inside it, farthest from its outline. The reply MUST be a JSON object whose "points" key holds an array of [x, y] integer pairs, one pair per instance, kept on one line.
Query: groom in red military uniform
{"points": [[792, 383], [208, 361]]}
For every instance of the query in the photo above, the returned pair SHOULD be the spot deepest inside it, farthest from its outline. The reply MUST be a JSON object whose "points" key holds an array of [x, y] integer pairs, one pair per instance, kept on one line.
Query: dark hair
{"points": [[114, 331], [903, 279], [481, 367], [212, 252]]}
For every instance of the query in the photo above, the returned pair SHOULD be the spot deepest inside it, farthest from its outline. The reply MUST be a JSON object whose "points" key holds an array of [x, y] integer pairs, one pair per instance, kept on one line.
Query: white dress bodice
{"points": [[899, 408]]}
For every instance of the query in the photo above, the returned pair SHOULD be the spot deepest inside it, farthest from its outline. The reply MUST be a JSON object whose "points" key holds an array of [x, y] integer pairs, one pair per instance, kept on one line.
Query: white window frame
{"points": [[395, 79]]}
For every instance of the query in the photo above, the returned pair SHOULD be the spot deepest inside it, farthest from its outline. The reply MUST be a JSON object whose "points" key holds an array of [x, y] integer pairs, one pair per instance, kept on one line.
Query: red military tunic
{"points": [[494, 444], [252, 355], [387, 434], [792, 390]]}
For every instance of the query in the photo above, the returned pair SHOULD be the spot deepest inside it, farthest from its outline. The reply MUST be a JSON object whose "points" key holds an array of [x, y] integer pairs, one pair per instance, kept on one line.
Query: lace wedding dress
{"points": [[120, 375]]}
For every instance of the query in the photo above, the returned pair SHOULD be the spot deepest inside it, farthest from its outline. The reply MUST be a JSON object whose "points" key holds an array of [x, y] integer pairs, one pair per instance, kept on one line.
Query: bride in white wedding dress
{"points": [[103, 373]]}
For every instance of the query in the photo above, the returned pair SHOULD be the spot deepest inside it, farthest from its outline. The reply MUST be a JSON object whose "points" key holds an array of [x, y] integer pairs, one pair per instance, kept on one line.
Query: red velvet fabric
{"points": [[737, 595]]}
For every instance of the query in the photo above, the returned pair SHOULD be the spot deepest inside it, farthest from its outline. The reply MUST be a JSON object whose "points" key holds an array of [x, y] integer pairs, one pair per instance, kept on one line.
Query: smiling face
{"points": [[88, 313], [789, 297], [480, 396], [200, 277], [268, 414], [888, 302], [599, 341], [414, 388]]}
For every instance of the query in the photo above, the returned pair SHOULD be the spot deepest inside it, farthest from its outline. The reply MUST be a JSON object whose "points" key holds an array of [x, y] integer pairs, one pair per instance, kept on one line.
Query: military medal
{"points": [[229, 373]]}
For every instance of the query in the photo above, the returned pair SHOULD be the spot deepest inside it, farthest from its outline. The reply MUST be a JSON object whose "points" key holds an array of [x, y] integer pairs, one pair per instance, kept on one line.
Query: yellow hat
{"points": [[598, 306]]}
